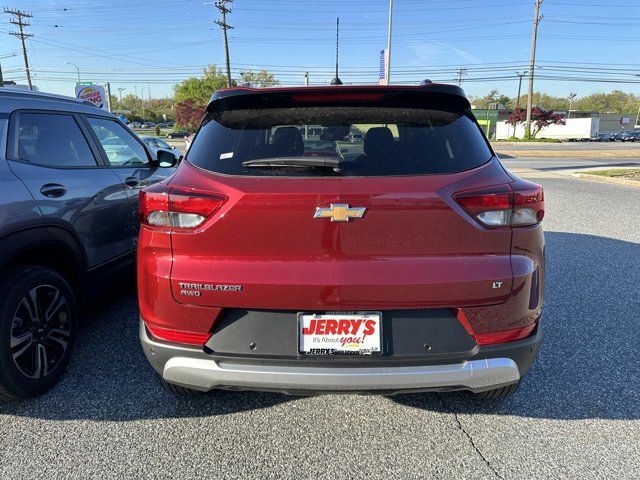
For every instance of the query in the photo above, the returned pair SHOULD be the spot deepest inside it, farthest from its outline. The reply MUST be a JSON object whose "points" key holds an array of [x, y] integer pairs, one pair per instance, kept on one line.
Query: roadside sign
{"points": [[84, 83], [382, 75], [94, 94]]}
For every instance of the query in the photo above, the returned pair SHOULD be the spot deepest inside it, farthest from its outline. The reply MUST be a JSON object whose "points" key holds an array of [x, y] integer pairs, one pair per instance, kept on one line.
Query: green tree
{"points": [[494, 96], [259, 79], [200, 89]]}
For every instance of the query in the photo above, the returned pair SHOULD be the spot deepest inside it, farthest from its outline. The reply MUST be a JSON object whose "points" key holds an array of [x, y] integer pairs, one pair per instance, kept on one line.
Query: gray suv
{"points": [[70, 175]]}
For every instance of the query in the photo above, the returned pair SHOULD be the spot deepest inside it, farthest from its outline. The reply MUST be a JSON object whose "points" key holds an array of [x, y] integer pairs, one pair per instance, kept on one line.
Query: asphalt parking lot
{"points": [[577, 414]]}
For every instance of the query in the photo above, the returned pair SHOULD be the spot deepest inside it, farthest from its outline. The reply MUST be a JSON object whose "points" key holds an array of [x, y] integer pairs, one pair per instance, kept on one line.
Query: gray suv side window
{"points": [[54, 140], [120, 147]]}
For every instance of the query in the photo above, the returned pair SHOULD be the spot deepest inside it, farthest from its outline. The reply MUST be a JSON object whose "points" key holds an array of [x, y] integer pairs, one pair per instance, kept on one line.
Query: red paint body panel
{"points": [[415, 248]]}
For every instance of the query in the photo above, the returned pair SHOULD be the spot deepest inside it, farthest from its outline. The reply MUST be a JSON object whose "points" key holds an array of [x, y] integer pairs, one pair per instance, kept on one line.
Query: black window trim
{"points": [[14, 131], [103, 155]]}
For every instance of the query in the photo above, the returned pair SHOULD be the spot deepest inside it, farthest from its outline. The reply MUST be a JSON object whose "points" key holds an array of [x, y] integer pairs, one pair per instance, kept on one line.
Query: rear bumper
{"points": [[490, 367]]}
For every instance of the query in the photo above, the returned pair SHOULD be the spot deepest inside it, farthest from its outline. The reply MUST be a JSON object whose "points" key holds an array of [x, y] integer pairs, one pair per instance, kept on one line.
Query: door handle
{"points": [[53, 190], [131, 181]]}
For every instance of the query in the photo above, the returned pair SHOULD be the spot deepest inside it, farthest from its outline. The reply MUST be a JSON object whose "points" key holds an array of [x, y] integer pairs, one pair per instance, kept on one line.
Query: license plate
{"points": [[357, 333]]}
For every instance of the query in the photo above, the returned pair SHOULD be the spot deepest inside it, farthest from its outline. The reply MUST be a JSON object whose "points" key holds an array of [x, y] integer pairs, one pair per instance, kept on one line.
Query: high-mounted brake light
{"points": [[176, 207], [518, 204], [336, 97]]}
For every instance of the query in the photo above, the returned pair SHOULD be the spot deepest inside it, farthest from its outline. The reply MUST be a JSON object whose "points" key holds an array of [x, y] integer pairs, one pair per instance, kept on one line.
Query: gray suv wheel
{"points": [[37, 330]]}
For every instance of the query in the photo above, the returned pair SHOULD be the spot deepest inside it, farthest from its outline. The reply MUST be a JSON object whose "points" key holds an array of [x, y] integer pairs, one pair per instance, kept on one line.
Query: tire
{"points": [[34, 351], [177, 390], [498, 393]]}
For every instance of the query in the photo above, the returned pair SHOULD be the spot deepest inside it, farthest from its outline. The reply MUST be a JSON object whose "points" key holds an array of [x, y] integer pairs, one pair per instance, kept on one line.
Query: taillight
{"points": [[518, 204], [162, 205]]}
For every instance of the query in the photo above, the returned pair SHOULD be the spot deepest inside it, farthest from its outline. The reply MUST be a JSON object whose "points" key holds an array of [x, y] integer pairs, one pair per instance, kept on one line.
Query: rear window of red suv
{"points": [[338, 141]]}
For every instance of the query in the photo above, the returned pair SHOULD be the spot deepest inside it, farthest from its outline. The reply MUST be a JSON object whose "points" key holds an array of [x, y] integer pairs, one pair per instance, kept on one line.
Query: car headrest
{"points": [[378, 142], [288, 141]]}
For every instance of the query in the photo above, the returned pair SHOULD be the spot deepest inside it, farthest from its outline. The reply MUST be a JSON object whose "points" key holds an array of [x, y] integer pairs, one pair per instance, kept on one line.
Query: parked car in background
{"points": [[170, 124], [615, 136], [134, 125], [155, 144], [70, 175], [602, 137], [630, 136], [177, 134], [148, 125], [413, 264]]}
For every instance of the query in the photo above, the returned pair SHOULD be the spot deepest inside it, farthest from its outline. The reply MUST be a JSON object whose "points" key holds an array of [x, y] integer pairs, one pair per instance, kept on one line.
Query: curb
{"points": [[601, 179]]}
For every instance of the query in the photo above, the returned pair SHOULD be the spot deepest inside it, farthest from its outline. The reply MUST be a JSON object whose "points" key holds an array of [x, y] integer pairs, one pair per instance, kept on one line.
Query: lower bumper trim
{"points": [[473, 375], [195, 369]]}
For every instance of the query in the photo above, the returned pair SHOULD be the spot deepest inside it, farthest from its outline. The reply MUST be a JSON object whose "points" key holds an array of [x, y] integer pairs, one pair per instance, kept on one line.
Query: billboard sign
{"points": [[94, 94]]}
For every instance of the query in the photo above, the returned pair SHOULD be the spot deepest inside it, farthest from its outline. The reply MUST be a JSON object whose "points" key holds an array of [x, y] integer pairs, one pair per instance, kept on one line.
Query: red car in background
{"points": [[411, 261]]}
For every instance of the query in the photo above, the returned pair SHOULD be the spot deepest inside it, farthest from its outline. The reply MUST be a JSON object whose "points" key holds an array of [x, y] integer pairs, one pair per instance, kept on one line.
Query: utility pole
{"points": [[120, 94], [21, 35], [534, 38], [461, 72], [571, 97], [388, 59], [336, 80], [222, 6]]}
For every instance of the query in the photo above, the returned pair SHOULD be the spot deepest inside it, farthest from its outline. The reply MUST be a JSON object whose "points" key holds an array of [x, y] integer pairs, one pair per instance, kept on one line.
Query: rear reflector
{"points": [[162, 205], [518, 204], [178, 336], [493, 338], [504, 336]]}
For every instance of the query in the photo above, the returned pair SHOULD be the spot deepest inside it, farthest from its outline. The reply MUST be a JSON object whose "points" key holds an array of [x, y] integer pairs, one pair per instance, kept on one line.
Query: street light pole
{"points": [[520, 75], [142, 98], [120, 94], [571, 97], [77, 68]]}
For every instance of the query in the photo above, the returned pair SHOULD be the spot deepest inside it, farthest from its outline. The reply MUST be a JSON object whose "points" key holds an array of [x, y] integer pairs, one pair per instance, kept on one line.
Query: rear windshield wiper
{"points": [[327, 162]]}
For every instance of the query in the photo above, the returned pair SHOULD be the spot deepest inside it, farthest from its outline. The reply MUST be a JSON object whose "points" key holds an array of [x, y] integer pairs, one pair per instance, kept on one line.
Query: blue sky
{"points": [[584, 46]]}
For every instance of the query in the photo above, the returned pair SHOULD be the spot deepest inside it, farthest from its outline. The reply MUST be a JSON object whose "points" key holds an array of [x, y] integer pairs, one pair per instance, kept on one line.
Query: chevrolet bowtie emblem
{"points": [[339, 212]]}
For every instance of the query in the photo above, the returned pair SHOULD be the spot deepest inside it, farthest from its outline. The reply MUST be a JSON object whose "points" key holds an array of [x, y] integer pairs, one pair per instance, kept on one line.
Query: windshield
{"points": [[366, 141]]}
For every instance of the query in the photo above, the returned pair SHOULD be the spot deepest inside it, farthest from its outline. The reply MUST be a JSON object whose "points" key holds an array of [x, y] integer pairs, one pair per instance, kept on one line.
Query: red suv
{"points": [[282, 256]]}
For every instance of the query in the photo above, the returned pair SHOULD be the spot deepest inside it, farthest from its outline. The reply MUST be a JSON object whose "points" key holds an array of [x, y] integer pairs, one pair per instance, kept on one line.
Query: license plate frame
{"points": [[369, 348]]}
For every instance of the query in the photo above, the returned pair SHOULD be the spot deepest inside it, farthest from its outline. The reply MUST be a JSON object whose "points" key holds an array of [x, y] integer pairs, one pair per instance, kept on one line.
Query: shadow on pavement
{"points": [[588, 366]]}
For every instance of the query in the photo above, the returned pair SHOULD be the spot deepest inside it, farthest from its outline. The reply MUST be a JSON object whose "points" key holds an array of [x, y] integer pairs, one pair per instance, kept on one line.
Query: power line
{"points": [[19, 15]]}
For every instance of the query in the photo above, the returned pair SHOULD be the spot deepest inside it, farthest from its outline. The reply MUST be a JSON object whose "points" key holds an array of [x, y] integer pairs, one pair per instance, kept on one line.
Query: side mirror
{"points": [[166, 159]]}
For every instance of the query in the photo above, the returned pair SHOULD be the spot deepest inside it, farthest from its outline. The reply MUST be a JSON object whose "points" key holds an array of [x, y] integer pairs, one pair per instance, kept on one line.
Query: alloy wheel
{"points": [[40, 331]]}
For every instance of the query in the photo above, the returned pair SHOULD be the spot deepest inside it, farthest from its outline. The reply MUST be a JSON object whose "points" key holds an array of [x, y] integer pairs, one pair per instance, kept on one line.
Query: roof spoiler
{"points": [[244, 95]]}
